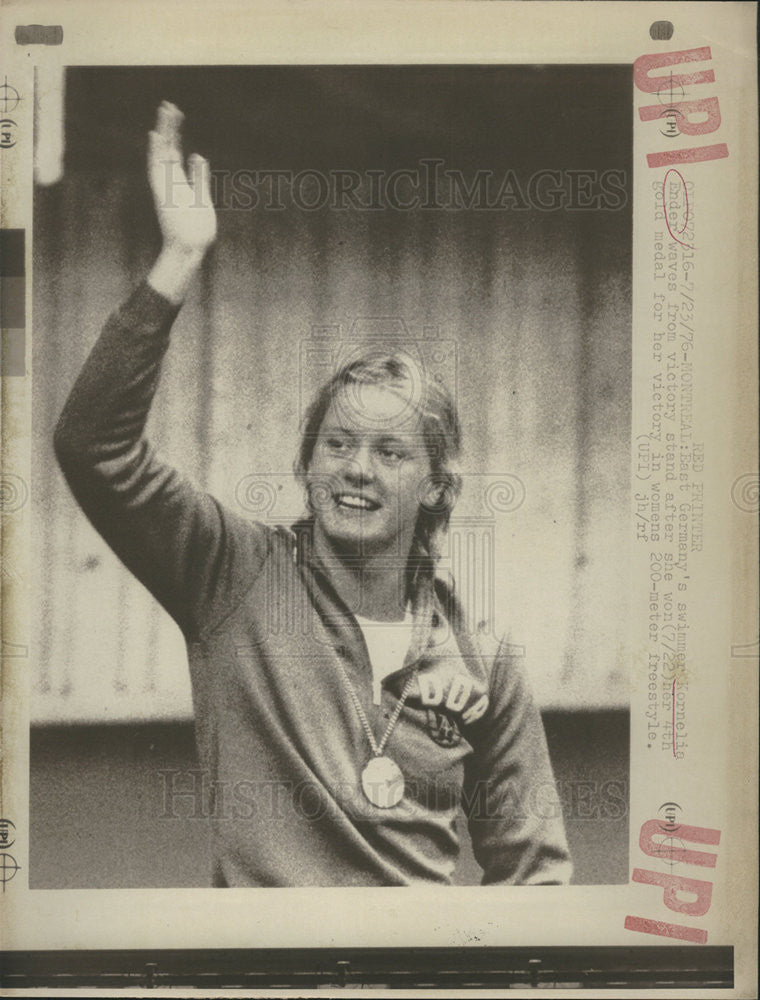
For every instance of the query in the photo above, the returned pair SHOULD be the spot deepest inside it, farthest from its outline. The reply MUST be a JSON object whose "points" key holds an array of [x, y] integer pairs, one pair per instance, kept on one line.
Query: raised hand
{"points": [[183, 204]]}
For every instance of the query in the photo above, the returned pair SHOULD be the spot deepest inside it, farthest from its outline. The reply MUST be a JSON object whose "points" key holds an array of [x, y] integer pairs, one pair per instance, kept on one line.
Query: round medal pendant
{"points": [[383, 782]]}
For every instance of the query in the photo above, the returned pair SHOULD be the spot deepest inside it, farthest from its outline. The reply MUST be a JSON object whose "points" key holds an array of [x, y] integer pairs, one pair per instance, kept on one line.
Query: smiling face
{"points": [[367, 471]]}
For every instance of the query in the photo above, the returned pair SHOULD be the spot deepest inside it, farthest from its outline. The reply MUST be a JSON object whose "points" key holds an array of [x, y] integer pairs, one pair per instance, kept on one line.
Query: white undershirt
{"points": [[387, 645]]}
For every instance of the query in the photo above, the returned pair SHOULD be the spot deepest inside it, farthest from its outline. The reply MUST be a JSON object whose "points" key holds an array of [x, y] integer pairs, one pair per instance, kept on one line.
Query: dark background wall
{"points": [[532, 303], [99, 800]]}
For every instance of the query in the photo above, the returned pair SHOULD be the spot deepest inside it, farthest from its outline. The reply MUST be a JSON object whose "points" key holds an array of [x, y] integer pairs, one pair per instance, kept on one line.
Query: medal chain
{"points": [[377, 748]]}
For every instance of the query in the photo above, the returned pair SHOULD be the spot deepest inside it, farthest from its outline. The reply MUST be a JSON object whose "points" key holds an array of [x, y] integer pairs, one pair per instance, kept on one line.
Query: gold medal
{"points": [[383, 782]]}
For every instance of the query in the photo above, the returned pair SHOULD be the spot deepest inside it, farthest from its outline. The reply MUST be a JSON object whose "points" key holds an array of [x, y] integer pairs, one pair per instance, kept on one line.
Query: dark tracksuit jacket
{"points": [[271, 650]]}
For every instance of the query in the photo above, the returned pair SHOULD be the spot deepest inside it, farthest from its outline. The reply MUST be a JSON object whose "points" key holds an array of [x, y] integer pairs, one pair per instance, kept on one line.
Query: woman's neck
{"points": [[373, 586]]}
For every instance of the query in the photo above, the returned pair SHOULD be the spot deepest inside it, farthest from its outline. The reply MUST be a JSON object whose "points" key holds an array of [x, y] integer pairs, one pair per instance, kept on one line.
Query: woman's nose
{"points": [[360, 466]]}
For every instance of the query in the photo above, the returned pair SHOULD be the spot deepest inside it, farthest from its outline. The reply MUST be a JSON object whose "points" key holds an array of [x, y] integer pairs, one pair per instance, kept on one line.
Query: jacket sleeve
{"points": [[190, 553], [510, 797]]}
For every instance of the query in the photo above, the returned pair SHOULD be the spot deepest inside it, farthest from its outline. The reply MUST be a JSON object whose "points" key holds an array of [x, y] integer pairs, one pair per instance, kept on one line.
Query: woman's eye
{"points": [[391, 454], [336, 444]]}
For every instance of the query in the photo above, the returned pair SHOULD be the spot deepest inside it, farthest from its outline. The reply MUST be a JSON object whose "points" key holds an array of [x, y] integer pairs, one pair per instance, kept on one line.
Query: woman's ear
{"points": [[436, 493]]}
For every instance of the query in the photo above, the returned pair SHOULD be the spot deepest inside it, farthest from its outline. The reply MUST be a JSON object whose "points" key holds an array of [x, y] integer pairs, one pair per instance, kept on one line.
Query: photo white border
{"points": [[717, 787]]}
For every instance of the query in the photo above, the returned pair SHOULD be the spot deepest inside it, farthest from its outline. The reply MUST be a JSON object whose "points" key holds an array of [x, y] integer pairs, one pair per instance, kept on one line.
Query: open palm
{"points": [[182, 197]]}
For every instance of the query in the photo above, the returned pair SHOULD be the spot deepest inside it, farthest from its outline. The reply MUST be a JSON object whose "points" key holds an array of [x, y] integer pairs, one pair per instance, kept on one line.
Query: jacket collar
{"points": [[429, 611]]}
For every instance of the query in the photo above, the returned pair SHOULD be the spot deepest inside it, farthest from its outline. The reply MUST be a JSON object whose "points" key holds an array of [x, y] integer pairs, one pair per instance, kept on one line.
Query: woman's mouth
{"points": [[354, 501]]}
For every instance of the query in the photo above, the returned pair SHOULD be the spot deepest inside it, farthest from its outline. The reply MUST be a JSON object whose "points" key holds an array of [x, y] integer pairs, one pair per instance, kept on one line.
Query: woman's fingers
{"points": [[166, 175], [165, 169], [199, 176], [156, 159], [169, 126], [183, 202]]}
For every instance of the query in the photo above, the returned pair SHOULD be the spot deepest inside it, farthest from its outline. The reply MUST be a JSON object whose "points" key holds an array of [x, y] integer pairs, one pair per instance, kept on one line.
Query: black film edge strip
{"points": [[637, 967]]}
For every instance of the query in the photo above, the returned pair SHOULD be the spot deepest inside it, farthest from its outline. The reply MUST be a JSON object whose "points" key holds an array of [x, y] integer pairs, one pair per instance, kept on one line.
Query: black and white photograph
{"points": [[379, 496], [332, 434]]}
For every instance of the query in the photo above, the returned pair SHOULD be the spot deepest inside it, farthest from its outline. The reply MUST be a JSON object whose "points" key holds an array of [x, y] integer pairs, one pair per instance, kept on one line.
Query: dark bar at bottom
{"points": [[636, 967]]}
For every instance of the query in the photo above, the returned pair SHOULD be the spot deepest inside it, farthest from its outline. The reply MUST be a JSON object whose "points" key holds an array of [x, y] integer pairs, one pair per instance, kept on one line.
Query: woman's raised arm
{"points": [[190, 552]]}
